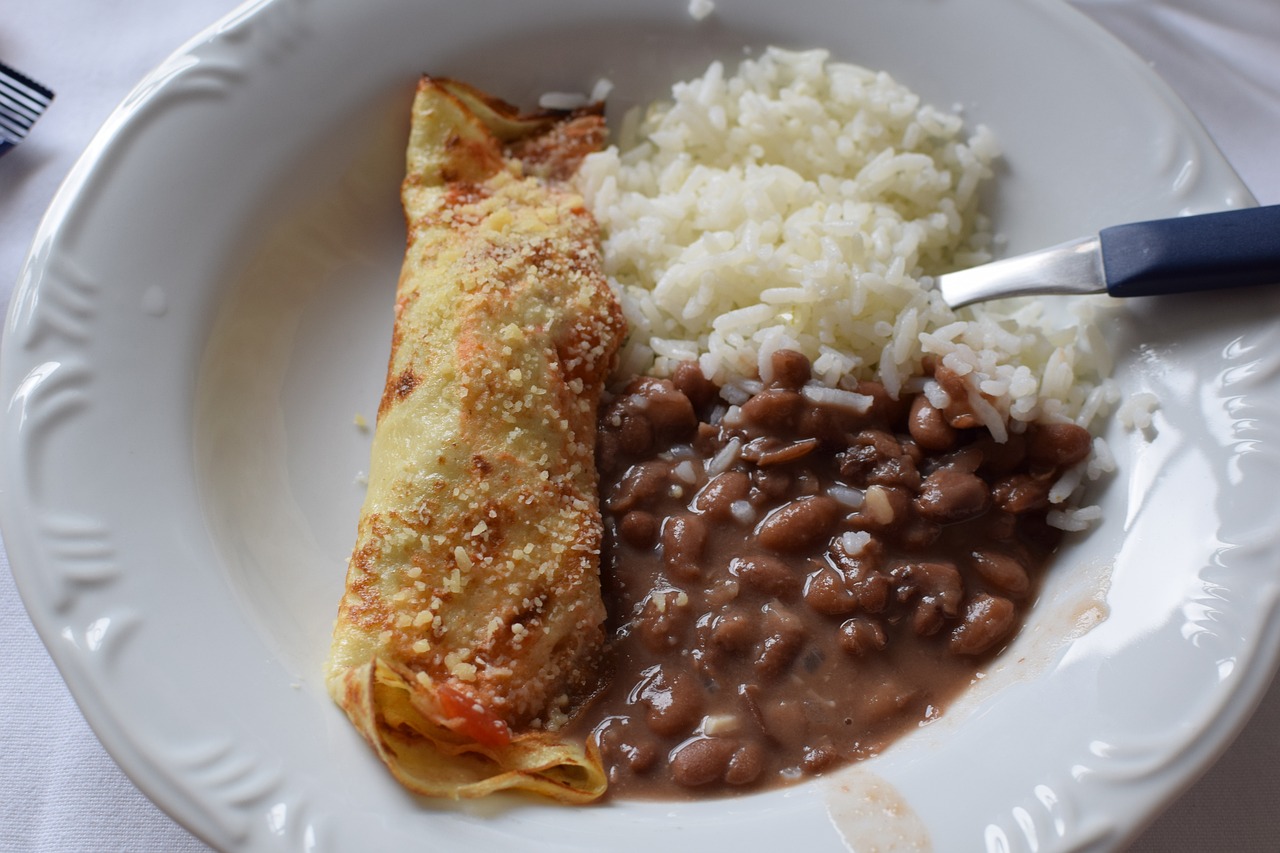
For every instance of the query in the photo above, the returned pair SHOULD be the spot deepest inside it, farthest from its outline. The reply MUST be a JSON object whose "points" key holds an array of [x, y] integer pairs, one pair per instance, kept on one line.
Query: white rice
{"points": [[805, 204], [1137, 410], [1074, 519]]}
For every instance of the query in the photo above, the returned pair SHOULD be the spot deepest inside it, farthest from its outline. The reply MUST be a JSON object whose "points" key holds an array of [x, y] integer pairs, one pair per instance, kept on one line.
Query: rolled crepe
{"points": [[472, 619]]}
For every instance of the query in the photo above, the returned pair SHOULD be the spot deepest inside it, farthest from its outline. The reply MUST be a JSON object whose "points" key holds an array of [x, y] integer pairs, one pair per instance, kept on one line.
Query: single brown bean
{"points": [[700, 390], [961, 416], [856, 464], [913, 451], [1003, 571], [661, 627], [884, 408], [870, 557], [701, 760], [1057, 445], [929, 427], [766, 451], [750, 695], [745, 765], [716, 498], [783, 721], [883, 509], [932, 581], [917, 534], [640, 756], [774, 409], [642, 482], [638, 528], [624, 740], [733, 632], [825, 592], [953, 383], [673, 703], [895, 471], [772, 483], [791, 369], [707, 441], [872, 591], [785, 637], [861, 636], [668, 409], [798, 525], [861, 576], [767, 574], [948, 496], [820, 757], [988, 619], [883, 443], [1022, 493], [684, 538], [966, 460], [635, 434], [927, 618], [958, 413], [831, 425], [806, 483]]}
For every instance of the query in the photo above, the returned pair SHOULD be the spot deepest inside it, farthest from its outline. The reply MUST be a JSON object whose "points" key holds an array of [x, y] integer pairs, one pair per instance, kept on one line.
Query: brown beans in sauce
{"points": [[794, 586]]}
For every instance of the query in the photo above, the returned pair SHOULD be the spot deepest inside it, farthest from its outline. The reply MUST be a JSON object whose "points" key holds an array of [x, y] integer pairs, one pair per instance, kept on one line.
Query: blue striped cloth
{"points": [[22, 101]]}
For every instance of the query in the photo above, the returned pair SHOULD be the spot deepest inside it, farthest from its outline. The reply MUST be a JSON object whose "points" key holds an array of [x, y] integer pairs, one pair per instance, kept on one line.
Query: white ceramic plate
{"points": [[207, 306]]}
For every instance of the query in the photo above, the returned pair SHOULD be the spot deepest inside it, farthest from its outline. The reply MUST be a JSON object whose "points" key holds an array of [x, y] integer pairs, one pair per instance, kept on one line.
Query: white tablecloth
{"points": [[59, 791]]}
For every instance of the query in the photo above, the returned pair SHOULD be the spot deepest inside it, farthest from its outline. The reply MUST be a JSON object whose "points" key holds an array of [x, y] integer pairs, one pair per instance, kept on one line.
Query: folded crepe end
{"points": [[416, 733]]}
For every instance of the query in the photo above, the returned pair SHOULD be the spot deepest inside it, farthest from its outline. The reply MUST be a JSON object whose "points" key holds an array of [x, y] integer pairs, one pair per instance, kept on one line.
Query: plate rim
{"points": [[16, 522]]}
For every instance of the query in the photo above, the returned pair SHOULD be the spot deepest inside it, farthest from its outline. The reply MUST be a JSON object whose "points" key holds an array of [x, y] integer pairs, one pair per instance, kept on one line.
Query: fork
{"points": [[22, 101], [1209, 251]]}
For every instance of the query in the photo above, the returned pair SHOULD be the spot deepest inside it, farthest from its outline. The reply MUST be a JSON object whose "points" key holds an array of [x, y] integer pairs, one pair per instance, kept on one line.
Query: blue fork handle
{"points": [[1189, 253]]}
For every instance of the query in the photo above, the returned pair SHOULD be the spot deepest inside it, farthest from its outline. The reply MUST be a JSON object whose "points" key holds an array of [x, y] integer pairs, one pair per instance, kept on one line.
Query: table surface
{"points": [[60, 791]]}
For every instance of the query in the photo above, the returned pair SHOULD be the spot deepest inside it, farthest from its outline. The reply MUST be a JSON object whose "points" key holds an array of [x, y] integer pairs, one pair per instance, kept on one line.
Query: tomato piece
{"points": [[468, 717]]}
